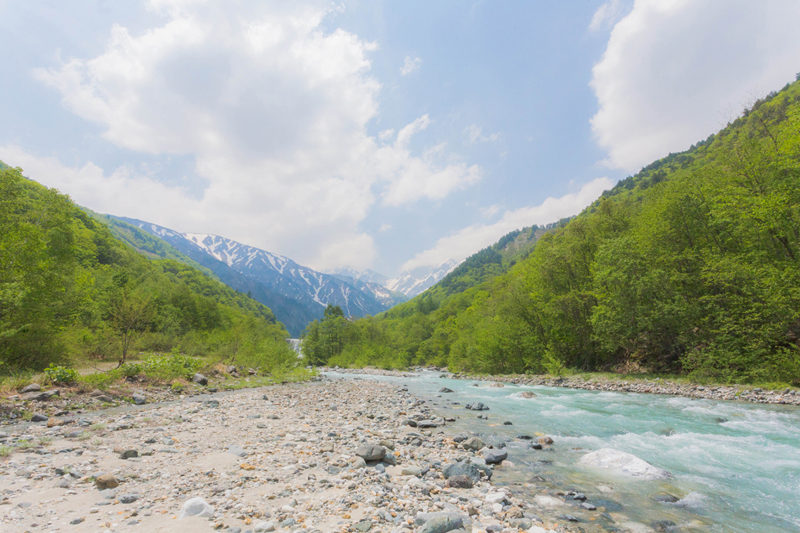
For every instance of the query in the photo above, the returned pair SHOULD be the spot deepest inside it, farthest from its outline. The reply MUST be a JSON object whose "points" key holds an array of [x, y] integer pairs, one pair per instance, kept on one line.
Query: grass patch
{"points": [[5, 451]]}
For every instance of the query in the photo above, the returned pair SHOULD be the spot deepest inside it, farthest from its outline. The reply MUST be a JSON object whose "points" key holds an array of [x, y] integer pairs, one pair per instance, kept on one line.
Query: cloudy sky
{"points": [[369, 133]]}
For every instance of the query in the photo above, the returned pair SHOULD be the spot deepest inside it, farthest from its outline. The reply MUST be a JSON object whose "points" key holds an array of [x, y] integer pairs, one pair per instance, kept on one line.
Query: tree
{"points": [[130, 314]]}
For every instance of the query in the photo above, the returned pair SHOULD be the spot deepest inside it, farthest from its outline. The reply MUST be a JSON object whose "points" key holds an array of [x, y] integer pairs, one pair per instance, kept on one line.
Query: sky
{"points": [[369, 133]]}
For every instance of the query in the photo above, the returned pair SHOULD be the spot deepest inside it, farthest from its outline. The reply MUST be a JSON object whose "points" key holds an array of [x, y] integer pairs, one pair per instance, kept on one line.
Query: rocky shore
{"points": [[330, 455], [652, 386]]}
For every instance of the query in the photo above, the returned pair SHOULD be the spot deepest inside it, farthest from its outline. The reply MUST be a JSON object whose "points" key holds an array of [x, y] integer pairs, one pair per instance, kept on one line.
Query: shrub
{"points": [[61, 374], [168, 367]]}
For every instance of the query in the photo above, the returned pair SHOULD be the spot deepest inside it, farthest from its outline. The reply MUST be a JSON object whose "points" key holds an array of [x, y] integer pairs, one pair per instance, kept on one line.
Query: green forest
{"points": [[690, 267], [70, 291]]}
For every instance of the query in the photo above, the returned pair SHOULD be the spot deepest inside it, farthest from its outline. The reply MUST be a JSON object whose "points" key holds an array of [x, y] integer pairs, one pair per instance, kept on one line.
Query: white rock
{"points": [[264, 526], [623, 463], [495, 497], [196, 507]]}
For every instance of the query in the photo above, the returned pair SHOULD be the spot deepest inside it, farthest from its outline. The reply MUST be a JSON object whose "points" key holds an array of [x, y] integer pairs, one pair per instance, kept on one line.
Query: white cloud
{"points": [[475, 135], [410, 64], [274, 112], [675, 71], [465, 242], [607, 15]]}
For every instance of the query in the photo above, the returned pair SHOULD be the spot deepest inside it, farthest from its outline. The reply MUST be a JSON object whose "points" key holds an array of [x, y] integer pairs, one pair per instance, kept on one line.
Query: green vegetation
{"points": [[690, 267], [70, 291]]}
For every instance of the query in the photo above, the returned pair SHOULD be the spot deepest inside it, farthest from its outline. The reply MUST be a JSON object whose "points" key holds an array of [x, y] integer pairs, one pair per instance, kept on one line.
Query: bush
{"points": [[169, 367], [61, 375]]}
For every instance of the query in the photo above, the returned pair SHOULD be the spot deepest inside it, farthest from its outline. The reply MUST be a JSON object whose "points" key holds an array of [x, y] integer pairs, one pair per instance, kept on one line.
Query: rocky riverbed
{"points": [[330, 455], [651, 386]]}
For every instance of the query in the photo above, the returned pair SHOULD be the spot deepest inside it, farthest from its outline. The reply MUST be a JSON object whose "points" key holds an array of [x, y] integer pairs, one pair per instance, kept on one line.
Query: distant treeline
{"points": [[691, 266]]}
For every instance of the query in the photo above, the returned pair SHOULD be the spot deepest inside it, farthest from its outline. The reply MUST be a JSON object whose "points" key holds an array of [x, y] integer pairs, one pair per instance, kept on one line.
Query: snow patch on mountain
{"points": [[417, 281]]}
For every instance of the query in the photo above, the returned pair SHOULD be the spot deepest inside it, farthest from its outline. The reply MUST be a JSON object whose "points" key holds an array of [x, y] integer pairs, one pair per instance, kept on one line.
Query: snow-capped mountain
{"points": [[295, 293], [371, 282], [414, 282]]}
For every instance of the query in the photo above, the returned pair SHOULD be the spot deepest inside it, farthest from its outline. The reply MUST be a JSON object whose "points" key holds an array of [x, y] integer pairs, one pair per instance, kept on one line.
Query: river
{"points": [[733, 466]]}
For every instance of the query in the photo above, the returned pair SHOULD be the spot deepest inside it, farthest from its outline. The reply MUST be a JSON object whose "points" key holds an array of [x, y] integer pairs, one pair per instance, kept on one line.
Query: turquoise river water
{"points": [[734, 466]]}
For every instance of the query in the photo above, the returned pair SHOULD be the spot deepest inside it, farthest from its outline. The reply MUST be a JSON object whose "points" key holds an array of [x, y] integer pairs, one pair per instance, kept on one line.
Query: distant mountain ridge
{"points": [[417, 281], [296, 294]]}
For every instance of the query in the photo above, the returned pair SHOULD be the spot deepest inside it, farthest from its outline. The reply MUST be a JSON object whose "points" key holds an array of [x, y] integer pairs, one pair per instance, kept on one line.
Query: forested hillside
{"points": [[691, 266], [69, 289]]}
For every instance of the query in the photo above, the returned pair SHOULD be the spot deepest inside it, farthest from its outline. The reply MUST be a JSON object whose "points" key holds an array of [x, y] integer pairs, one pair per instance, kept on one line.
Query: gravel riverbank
{"points": [[330, 455]]}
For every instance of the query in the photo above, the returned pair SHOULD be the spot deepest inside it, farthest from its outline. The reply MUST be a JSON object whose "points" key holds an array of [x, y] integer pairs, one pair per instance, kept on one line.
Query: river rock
{"points": [[441, 522], [494, 457], [473, 443], [477, 406], [200, 379], [196, 507], [623, 463], [432, 423], [138, 398], [471, 468], [39, 417], [460, 482], [527, 394], [371, 452], [33, 387], [129, 454], [41, 396], [106, 481], [443, 389]]}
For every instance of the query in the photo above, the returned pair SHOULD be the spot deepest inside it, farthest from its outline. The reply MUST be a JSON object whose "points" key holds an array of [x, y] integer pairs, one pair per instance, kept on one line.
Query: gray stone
{"points": [[471, 469], [129, 454], [200, 379], [477, 406], [411, 471], [41, 396], [128, 498], [237, 450], [432, 423], [442, 522], [473, 443], [264, 527], [139, 399], [371, 452], [460, 482], [33, 387], [39, 417], [196, 507], [445, 390], [494, 457]]}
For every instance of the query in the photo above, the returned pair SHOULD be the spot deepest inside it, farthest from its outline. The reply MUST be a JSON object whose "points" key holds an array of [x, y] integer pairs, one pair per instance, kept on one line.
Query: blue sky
{"points": [[371, 134]]}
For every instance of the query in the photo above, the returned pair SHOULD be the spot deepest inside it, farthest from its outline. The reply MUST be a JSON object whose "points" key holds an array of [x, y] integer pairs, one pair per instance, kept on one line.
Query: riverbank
{"points": [[604, 383], [337, 455]]}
